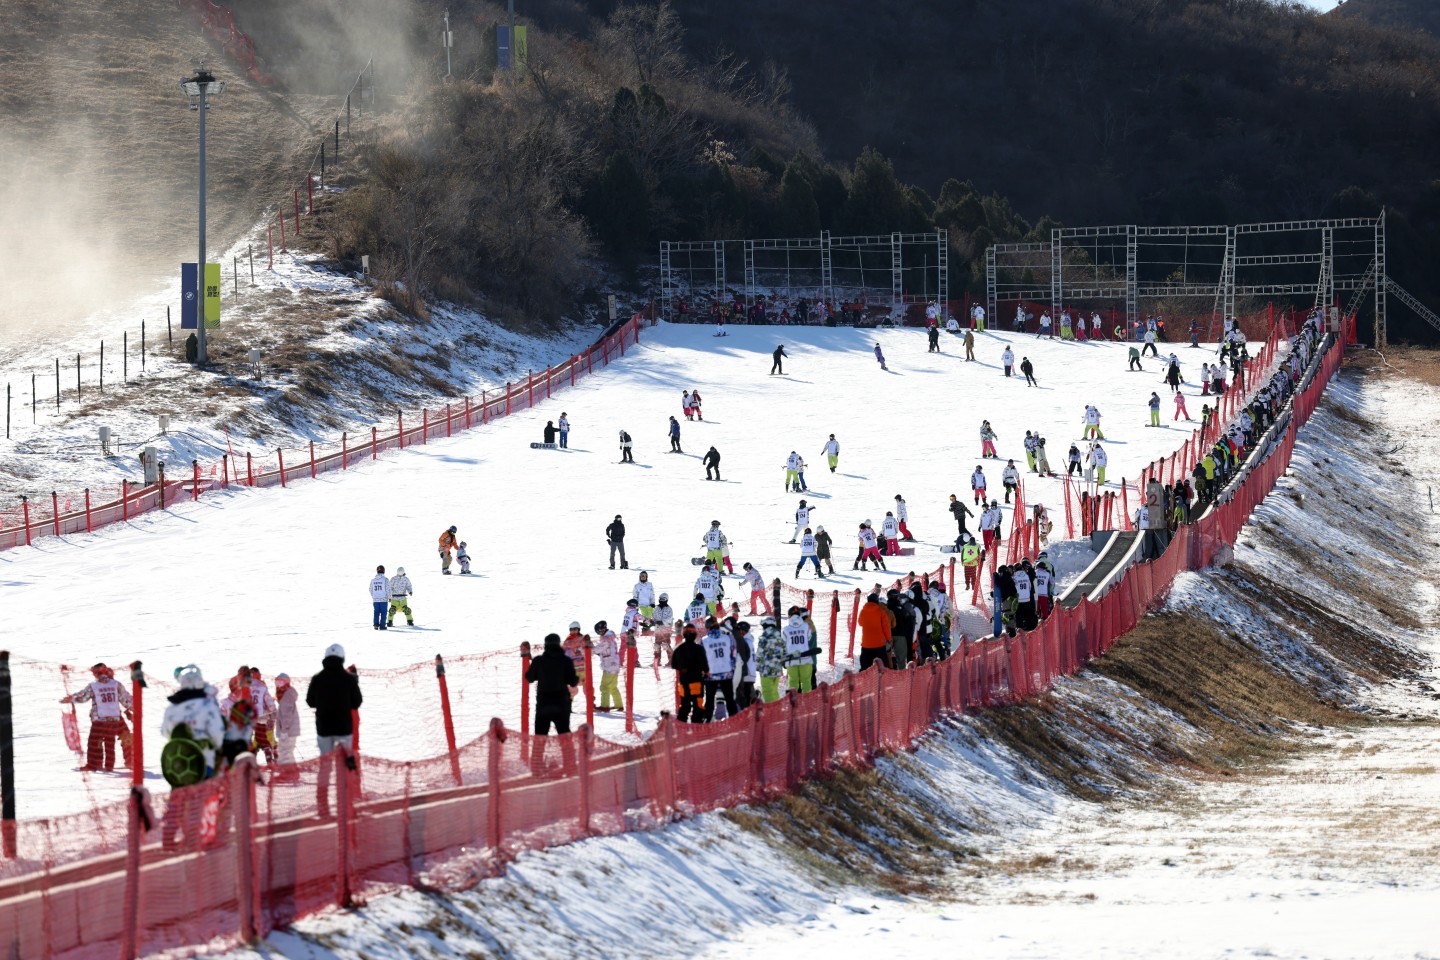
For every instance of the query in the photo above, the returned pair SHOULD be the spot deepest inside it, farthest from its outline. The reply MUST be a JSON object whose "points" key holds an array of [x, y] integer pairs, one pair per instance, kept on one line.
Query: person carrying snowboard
{"points": [[400, 593]]}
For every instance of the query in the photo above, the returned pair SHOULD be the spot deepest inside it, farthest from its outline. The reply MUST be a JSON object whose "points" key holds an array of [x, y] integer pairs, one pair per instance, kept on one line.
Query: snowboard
{"points": [[544, 446], [700, 562], [181, 762]]}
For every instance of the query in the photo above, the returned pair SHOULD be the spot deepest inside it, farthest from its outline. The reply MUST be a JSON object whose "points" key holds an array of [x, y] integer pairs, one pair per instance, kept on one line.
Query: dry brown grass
{"points": [[1418, 363]]}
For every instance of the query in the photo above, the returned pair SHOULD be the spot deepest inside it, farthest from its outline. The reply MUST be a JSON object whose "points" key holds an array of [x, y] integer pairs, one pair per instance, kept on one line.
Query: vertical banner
{"points": [[213, 283], [502, 46], [522, 51], [189, 297]]}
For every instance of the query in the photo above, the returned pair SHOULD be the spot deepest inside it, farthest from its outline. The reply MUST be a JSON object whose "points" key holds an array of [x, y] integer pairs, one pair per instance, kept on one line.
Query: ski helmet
{"points": [[335, 650], [574, 624], [400, 571], [664, 598]]}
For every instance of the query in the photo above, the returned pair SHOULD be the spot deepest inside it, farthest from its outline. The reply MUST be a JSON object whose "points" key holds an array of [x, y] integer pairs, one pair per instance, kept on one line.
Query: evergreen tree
{"points": [[799, 214]]}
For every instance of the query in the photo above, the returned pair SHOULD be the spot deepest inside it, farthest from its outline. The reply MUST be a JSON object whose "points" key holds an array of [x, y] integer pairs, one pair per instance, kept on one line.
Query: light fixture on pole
{"points": [[199, 89]]}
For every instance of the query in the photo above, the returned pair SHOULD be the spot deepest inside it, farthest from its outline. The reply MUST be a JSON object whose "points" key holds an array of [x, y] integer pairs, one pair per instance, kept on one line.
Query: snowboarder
{"points": [[380, 596], [969, 346], [675, 436], [1099, 458], [987, 441], [832, 452], [802, 519], [1092, 423], [755, 584], [1007, 359], [778, 355], [625, 443], [1180, 410], [1046, 326], [1150, 343], [770, 660], [550, 432], [792, 472], [808, 551], [615, 537], [959, 511], [933, 334], [1154, 405], [1135, 359], [1042, 460], [1072, 460], [695, 404], [400, 593], [977, 485], [800, 652], [687, 406], [1031, 444], [747, 668], [822, 549], [643, 593], [713, 541], [869, 548], [800, 474], [880, 357], [448, 539], [712, 464], [719, 646], [462, 554], [1010, 479], [564, 431], [902, 516], [709, 586], [1028, 368], [607, 651], [107, 698]]}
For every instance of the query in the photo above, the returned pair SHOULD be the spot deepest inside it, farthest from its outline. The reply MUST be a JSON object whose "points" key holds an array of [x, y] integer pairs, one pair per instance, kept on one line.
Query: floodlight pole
{"points": [[199, 86]]}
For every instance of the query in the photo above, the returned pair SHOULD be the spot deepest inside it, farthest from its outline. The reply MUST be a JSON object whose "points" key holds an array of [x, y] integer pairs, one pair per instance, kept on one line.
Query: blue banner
{"points": [[189, 297]]}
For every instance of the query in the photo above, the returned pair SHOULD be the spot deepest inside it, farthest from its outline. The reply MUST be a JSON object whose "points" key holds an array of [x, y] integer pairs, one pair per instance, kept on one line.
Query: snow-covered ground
{"points": [[269, 577], [1330, 853]]}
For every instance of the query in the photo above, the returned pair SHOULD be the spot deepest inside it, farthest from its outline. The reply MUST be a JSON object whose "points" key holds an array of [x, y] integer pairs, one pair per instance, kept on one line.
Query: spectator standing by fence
{"points": [[556, 683], [334, 695]]}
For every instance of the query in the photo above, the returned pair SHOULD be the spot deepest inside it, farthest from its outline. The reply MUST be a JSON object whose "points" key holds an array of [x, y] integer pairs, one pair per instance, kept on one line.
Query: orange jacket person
{"points": [[876, 622], [448, 543]]}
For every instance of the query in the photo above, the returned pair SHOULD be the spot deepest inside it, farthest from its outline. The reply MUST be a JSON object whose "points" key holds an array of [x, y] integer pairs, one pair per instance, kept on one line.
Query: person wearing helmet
{"points": [[574, 647], [714, 541], [792, 472], [822, 549], [1010, 480], [754, 584], [287, 726], [770, 660], [379, 597], [625, 444], [902, 517], [448, 540], [664, 614], [107, 697], [802, 519], [989, 524], [832, 452], [643, 593], [777, 356], [890, 530], [462, 554], [869, 548], [607, 651], [192, 716], [615, 536], [400, 593], [334, 695]]}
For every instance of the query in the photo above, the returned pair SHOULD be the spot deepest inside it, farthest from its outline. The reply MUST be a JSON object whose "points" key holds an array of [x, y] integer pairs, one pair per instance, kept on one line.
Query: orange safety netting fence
{"points": [[240, 855], [85, 511]]}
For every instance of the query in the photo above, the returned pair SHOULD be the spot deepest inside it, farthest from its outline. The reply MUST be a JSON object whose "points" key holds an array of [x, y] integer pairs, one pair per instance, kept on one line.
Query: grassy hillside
{"points": [[1401, 14]]}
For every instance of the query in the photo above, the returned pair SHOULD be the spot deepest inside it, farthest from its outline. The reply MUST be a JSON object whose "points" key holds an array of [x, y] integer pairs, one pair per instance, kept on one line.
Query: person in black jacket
{"points": [[904, 629], [712, 463], [615, 536], [334, 695], [959, 511], [777, 366], [691, 668], [549, 431], [556, 682], [745, 654]]}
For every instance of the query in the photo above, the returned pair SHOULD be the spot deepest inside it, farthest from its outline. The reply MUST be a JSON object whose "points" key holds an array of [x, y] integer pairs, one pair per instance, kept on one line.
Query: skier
{"points": [[802, 519], [987, 441], [1205, 379], [902, 516], [800, 475], [959, 511], [770, 660], [977, 485], [1154, 404], [799, 652], [687, 406], [719, 648], [625, 455], [400, 593], [1180, 407], [755, 583], [698, 609], [1067, 331], [725, 554], [822, 549], [808, 550], [1150, 343], [462, 555], [952, 325], [380, 594], [564, 431], [550, 431], [643, 593], [792, 472], [989, 524], [1010, 479], [1028, 368], [615, 537], [1007, 359], [675, 436], [1044, 587], [880, 357], [1092, 423], [690, 665], [1046, 326], [607, 651], [1135, 359], [891, 532], [1042, 459], [711, 461], [1031, 444], [1025, 617], [1099, 458], [977, 316], [556, 684], [708, 585], [1072, 460], [778, 355], [1042, 523], [1080, 325], [107, 698], [695, 404], [869, 548], [713, 541], [448, 539], [832, 452], [939, 622]]}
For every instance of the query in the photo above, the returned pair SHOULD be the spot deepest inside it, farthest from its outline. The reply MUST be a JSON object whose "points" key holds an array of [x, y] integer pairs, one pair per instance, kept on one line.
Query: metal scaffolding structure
{"points": [[899, 267], [1142, 266]]}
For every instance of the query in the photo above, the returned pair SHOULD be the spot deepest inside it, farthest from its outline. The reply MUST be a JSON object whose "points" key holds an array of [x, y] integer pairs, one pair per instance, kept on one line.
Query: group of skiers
{"points": [[911, 626]]}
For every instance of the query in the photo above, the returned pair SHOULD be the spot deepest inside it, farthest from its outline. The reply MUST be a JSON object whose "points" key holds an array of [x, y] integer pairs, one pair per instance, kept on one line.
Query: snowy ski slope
{"points": [[269, 578]]}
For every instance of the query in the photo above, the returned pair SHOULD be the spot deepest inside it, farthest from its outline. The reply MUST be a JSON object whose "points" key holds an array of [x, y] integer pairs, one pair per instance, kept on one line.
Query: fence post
{"points": [[312, 459], [281, 215], [280, 456], [484, 407], [449, 419], [297, 216], [824, 761], [755, 776], [547, 383], [194, 479], [373, 449], [25, 508], [344, 451], [162, 485], [587, 740], [589, 680], [856, 753], [449, 720], [400, 430], [792, 775], [225, 470], [341, 758], [467, 413], [632, 654], [492, 812], [247, 891], [55, 511], [530, 383], [854, 616], [124, 502], [834, 621], [507, 398], [952, 581], [137, 735], [249, 469], [524, 701], [88, 527], [129, 937]]}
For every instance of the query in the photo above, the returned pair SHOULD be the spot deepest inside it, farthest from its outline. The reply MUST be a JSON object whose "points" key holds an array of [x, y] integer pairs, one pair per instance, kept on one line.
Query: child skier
{"points": [[464, 558]]}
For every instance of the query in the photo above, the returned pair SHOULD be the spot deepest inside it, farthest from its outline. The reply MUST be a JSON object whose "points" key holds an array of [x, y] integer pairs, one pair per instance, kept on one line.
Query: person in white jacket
{"points": [[902, 516], [802, 519], [832, 452], [1007, 358], [1010, 480], [1100, 459], [808, 552], [631, 620], [287, 723], [643, 593], [380, 596], [400, 593], [890, 530], [607, 650], [755, 584], [708, 585], [192, 715]]}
